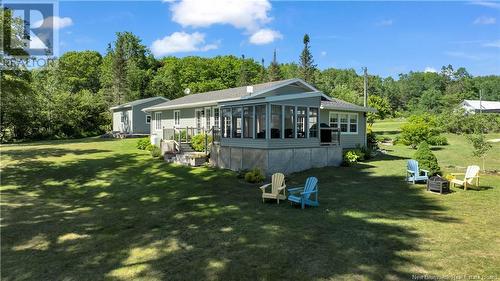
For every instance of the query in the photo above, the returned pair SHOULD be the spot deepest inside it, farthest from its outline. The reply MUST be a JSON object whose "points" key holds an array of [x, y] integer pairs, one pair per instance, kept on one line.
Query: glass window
{"points": [[313, 122], [148, 119], [177, 119], [208, 116], [276, 121], [158, 120], [248, 122], [353, 123], [334, 120], [216, 117], [226, 122], [289, 122], [236, 122], [260, 121], [344, 122], [199, 118], [301, 122]]}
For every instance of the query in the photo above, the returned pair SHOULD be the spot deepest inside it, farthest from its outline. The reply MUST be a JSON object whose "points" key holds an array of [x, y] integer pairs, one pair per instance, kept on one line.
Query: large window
{"points": [[216, 117], [226, 122], [353, 123], [344, 122], [301, 122], [347, 122], [276, 121], [289, 122], [248, 122], [260, 121], [199, 118], [157, 120], [177, 117], [334, 120], [313, 122], [236, 122], [208, 116]]}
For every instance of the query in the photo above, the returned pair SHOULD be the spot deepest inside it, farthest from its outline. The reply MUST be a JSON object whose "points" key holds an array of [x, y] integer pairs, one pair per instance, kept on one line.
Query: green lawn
{"points": [[100, 209]]}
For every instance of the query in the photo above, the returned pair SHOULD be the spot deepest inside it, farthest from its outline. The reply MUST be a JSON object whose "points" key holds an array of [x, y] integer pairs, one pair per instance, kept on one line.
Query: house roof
{"points": [[258, 91], [339, 104], [483, 105], [225, 94], [137, 102]]}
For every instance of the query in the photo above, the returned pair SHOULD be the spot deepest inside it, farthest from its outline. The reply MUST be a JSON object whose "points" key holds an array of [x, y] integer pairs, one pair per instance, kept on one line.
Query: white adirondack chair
{"points": [[471, 174], [277, 185]]}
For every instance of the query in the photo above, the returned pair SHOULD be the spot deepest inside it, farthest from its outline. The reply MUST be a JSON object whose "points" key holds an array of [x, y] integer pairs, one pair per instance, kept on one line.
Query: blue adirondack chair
{"points": [[302, 195], [413, 173]]}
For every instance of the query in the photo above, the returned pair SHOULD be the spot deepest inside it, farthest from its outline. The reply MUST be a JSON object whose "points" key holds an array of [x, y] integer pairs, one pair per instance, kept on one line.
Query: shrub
{"points": [[143, 143], [198, 142], [426, 159], [241, 173], [459, 122], [419, 128], [438, 140], [254, 176], [350, 157], [156, 152], [371, 137], [150, 147], [365, 152]]}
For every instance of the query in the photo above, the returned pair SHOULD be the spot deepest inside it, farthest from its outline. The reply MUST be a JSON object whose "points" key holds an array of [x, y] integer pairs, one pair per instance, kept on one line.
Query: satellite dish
{"points": [[187, 91]]}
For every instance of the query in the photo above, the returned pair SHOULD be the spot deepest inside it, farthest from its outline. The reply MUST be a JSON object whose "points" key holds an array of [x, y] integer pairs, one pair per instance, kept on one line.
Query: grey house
{"points": [[285, 126], [128, 118]]}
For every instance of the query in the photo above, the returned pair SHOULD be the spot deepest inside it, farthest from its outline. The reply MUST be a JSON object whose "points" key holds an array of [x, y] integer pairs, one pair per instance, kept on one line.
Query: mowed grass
{"points": [[101, 209]]}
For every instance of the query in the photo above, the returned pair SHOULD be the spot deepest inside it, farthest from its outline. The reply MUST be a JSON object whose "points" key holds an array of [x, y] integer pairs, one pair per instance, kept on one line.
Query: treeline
{"points": [[71, 98]]}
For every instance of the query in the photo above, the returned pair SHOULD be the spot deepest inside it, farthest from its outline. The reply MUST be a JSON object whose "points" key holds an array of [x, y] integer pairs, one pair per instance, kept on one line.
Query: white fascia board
{"points": [[273, 99], [281, 85]]}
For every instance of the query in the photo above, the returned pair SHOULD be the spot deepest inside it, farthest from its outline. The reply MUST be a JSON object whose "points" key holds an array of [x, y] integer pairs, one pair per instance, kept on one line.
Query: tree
{"points": [[80, 70], [243, 77], [426, 159], [274, 69], [480, 145], [381, 105], [307, 66]]}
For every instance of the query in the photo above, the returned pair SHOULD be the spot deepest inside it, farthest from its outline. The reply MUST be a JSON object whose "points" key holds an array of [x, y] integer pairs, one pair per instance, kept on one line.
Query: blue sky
{"points": [[387, 37]]}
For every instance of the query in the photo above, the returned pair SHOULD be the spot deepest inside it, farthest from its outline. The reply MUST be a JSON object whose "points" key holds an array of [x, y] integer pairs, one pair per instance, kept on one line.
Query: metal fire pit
{"points": [[438, 183]]}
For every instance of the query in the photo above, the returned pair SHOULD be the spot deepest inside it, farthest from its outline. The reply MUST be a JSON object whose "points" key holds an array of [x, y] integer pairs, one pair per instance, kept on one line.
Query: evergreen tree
{"points": [[274, 69], [262, 74], [307, 66], [426, 159]]}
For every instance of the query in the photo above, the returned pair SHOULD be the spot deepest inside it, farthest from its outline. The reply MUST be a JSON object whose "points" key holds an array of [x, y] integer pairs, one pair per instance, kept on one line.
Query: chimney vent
{"points": [[250, 90]]}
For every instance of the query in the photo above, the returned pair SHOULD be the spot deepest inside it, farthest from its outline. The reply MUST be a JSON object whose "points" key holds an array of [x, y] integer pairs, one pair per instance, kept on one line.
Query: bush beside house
{"points": [[426, 159]]}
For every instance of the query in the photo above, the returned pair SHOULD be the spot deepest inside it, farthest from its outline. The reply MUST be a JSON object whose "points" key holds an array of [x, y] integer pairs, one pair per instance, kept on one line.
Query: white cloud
{"points": [[487, 4], [387, 22], [430, 69], [179, 42], [323, 53], [265, 36], [495, 44], [485, 20], [248, 15], [54, 22]]}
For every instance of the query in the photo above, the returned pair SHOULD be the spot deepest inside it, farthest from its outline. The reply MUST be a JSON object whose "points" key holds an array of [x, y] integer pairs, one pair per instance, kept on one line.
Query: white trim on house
{"points": [[157, 121], [349, 114], [285, 83]]}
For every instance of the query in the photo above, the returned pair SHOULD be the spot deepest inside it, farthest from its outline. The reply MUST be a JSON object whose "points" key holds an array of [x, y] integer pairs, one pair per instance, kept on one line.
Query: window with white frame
{"points": [[347, 122], [208, 116], [157, 120], [177, 118], [199, 118], [148, 119], [216, 117], [301, 122]]}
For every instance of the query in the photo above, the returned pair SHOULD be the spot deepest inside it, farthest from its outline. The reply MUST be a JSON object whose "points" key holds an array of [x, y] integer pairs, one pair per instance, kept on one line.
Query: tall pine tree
{"points": [[307, 66], [274, 69], [243, 76]]}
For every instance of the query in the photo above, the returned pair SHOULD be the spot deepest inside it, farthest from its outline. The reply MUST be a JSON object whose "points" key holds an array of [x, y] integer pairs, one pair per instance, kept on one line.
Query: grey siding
{"points": [[348, 140], [139, 125]]}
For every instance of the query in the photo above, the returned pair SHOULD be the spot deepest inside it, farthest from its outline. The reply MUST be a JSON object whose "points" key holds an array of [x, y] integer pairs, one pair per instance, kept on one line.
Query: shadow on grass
{"points": [[128, 217], [34, 153]]}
